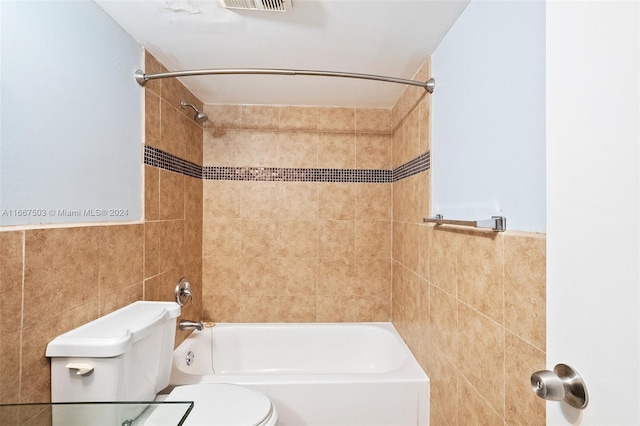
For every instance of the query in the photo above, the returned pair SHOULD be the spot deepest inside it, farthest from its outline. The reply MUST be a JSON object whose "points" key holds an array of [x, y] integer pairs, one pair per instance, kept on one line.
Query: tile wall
{"points": [[470, 304], [56, 279], [307, 244]]}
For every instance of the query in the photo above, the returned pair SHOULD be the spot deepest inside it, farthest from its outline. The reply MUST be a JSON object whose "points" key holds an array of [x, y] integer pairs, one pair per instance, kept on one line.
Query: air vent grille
{"points": [[269, 5]]}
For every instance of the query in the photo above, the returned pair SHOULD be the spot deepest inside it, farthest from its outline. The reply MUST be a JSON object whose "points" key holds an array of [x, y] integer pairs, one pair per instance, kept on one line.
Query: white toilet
{"points": [[126, 356]]}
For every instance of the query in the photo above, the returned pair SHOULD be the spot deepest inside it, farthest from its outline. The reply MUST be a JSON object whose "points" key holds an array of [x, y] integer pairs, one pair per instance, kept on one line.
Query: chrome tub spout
{"points": [[190, 325]]}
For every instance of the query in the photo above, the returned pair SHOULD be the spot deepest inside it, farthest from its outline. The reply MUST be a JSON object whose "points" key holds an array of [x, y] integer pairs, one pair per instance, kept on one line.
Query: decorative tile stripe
{"points": [[296, 175], [419, 164], [157, 158]]}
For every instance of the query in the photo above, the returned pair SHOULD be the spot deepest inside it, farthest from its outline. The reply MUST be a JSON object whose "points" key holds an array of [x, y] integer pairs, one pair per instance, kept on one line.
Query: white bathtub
{"points": [[315, 374]]}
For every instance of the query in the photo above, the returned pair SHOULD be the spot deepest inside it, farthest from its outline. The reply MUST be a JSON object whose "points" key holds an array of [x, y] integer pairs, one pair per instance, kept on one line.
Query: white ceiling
{"points": [[385, 37]]}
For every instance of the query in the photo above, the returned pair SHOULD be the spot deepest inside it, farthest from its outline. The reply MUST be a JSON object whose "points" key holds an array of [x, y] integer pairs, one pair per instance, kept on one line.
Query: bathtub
{"points": [[315, 374]]}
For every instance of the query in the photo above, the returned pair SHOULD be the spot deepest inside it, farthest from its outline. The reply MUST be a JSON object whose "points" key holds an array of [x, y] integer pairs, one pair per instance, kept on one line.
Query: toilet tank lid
{"points": [[113, 334]]}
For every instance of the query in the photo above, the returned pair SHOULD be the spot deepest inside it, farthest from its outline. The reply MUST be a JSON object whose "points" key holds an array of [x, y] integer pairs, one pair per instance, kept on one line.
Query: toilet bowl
{"points": [[126, 356], [223, 405]]}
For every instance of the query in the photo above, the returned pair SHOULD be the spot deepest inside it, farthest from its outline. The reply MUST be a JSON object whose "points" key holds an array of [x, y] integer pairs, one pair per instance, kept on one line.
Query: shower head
{"points": [[200, 116]]}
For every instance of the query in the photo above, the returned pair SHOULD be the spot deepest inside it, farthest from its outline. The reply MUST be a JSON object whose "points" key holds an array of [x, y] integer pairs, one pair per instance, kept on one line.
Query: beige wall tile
{"points": [[260, 200], [375, 120], [374, 151], [193, 229], [425, 124], [52, 256], [336, 201], [337, 277], [444, 315], [337, 150], [298, 276], [171, 195], [223, 237], [260, 238], [10, 368], [372, 309], [260, 117], [411, 134], [298, 118], [193, 202], [222, 199], [335, 308], [443, 260], [297, 308], [373, 277], [398, 147], [121, 257], [525, 287], [223, 116], [336, 119], [152, 115], [411, 243], [336, 238], [473, 410], [152, 66], [221, 276], [173, 135], [373, 201], [259, 277], [171, 245], [193, 143], [373, 239], [120, 298], [11, 256], [152, 237], [479, 271], [221, 308], [425, 235], [481, 355], [151, 193], [522, 406], [297, 238], [297, 149], [444, 390], [259, 309], [298, 200]]}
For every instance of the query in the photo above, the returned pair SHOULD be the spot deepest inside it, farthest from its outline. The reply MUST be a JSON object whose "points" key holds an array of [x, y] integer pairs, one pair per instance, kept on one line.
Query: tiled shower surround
{"points": [[295, 214]]}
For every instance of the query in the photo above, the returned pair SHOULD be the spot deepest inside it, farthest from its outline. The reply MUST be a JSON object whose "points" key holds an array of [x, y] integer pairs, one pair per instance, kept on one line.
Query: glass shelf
{"points": [[156, 413]]}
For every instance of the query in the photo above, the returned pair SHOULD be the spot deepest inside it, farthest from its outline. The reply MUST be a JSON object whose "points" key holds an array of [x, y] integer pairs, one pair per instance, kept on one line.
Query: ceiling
{"points": [[384, 37]]}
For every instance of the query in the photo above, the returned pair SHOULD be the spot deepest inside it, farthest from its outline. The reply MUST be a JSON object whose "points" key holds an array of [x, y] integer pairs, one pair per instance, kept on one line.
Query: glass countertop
{"points": [[156, 413]]}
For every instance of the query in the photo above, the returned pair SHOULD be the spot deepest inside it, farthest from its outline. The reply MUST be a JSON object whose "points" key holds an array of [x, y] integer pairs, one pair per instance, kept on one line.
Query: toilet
{"points": [[127, 356]]}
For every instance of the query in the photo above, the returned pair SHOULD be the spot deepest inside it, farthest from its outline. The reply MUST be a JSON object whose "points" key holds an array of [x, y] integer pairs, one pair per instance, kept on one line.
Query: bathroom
{"points": [[444, 289]]}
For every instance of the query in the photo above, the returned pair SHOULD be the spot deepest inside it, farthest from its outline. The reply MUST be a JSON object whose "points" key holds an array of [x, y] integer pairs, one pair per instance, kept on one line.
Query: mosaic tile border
{"points": [[419, 164], [296, 175], [163, 160], [158, 158]]}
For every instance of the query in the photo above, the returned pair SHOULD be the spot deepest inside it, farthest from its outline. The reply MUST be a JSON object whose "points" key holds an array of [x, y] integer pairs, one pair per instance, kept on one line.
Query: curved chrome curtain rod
{"points": [[142, 78]]}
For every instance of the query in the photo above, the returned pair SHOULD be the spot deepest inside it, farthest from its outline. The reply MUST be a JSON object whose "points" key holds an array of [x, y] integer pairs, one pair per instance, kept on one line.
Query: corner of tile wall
{"points": [[451, 286]]}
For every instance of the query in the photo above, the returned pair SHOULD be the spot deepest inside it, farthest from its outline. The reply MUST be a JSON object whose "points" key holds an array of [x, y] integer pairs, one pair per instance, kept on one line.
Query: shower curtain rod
{"points": [[142, 78]]}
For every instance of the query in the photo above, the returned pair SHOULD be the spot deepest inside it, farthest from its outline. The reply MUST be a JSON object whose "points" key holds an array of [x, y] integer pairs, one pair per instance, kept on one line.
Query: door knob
{"points": [[561, 384]]}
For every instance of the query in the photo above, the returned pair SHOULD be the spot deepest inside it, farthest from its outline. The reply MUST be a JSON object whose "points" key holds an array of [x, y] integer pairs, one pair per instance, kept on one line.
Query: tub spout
{"points": [[190, 325]]}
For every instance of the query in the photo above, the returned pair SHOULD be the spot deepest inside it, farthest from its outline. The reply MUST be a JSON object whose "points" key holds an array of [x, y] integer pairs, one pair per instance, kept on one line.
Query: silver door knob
{"points": [[561, 384]]}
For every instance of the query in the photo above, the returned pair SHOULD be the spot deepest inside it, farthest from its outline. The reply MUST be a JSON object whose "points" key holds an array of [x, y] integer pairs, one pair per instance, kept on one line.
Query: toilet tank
{"points": [[123, 356]]}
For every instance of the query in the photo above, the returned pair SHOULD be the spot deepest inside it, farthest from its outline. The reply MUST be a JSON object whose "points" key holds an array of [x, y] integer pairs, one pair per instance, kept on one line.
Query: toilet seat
{"points": [[225, 404]]}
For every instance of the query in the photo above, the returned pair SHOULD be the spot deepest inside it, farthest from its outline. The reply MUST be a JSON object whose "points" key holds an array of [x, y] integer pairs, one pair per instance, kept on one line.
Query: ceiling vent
{"points": [[269, 5]]}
